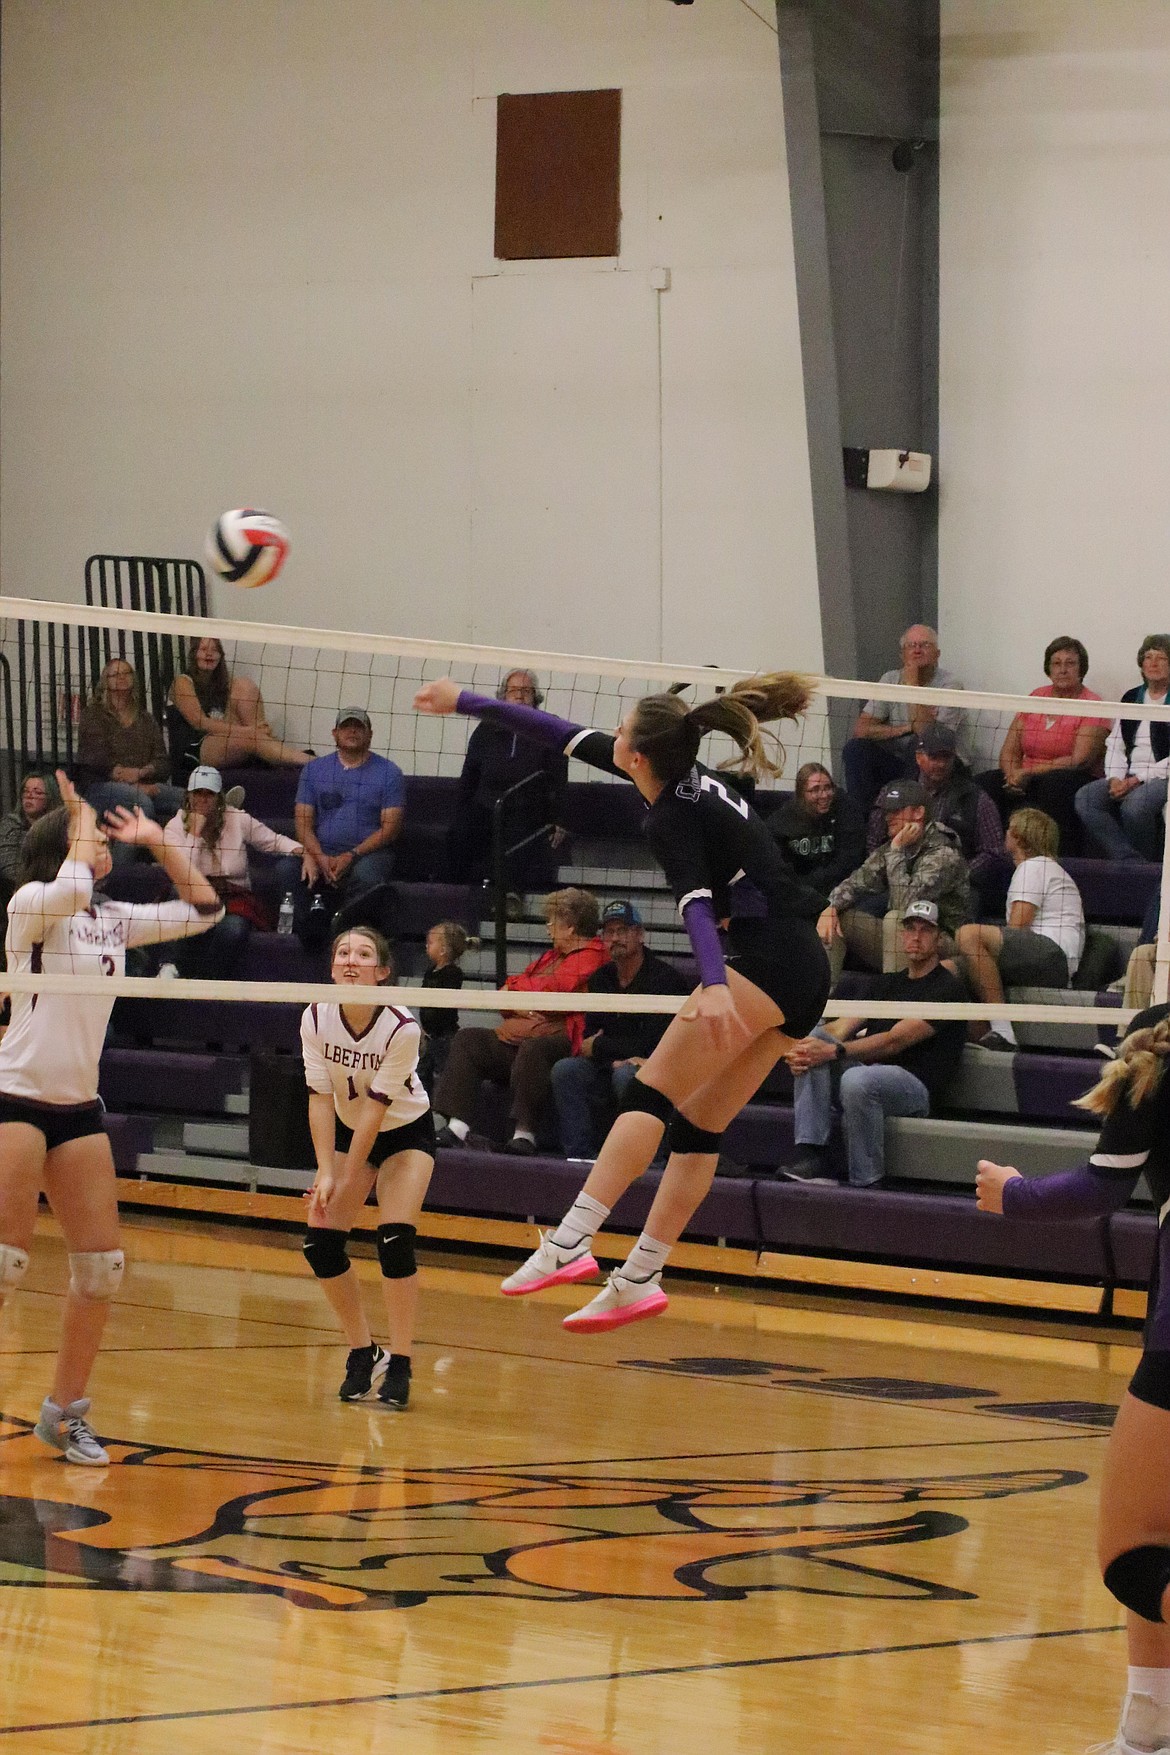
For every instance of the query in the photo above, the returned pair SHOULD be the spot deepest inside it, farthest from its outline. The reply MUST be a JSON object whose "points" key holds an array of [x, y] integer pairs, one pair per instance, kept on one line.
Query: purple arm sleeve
{"points": [[1069, 1194], [703, 932], [528, 722]]}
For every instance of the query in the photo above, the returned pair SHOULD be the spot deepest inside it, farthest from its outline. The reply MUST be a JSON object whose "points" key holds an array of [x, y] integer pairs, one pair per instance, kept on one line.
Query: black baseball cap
{"points": [[900, 793]]}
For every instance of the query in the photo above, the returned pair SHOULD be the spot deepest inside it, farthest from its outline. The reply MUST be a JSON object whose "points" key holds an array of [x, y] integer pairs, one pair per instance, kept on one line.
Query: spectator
{"points": [[955, 801], [1047, 757], [349, 812], [1125, 812], [883, 743], [880, 1068], [496, 761], [217, 720], [918, 862], [1044, 937], [38, 796], [121, 756], [820, 831], [1139, 974], [216, 835], [587, 1086], [523, 1049], [446, 943]]}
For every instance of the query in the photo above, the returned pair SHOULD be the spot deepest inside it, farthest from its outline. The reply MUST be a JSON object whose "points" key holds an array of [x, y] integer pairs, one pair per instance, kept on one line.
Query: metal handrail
{"points": [[500, 857]]}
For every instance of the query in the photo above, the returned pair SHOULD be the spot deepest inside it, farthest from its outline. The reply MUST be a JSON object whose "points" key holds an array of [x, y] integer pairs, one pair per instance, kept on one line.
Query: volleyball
{"points": [[247, 547]]}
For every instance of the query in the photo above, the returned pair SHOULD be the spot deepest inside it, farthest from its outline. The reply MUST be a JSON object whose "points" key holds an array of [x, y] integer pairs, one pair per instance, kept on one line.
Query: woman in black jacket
{"points": [[820, 831], [498, 759]]}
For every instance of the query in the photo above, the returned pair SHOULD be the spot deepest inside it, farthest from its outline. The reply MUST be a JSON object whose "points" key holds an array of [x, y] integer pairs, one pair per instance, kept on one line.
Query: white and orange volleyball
{"points": [[247, 547]]}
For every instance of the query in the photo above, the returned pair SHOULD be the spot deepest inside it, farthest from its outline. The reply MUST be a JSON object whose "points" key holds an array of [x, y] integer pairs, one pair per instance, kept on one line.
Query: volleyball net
{"points": [[585, 835]]}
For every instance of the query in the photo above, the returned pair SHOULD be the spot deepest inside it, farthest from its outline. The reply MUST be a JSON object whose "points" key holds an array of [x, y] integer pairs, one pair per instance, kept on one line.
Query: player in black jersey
{"points": [[753, 1003], [1133, 1532]]}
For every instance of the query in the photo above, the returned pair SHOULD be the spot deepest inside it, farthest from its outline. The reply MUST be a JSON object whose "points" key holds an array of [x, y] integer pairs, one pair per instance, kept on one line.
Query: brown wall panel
{"points": [[558, 156]]}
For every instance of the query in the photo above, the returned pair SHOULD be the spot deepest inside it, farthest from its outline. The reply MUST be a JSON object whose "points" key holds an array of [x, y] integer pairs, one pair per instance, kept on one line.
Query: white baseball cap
{"points": [[205, 780]]}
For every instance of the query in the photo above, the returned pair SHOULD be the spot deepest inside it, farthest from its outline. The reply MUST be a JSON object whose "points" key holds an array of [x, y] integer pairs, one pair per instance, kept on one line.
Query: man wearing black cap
{"points": [[956, 802], [349, 812], [879, 1067], [920, 861], [588, 1086]]}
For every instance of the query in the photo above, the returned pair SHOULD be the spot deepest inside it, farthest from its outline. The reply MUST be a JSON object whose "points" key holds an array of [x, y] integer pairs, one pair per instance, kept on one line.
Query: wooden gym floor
{"points": [[750, 1525]]}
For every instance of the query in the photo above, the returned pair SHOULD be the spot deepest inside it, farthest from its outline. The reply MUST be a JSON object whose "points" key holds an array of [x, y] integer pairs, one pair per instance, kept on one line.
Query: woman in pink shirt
{"points": [[216, 835], [1047, 757]]}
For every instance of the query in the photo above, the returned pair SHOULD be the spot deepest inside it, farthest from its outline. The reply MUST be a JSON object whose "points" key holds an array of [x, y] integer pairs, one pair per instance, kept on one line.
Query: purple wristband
{"points": [[703, 931], [530, 722]]}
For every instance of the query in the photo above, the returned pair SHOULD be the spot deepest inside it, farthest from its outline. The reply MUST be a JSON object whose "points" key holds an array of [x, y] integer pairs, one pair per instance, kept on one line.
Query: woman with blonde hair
{"points": [[1133, 1533], [752, 1004], [1043, 939], [122, 761]]}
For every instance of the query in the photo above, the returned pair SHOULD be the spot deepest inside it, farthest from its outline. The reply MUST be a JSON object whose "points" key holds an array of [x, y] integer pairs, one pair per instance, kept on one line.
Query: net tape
{"points": [[564, 671]]}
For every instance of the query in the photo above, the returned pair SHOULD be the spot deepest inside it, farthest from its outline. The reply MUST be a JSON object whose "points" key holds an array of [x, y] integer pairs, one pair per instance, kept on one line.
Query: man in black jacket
{"points": [[588, 1086]]}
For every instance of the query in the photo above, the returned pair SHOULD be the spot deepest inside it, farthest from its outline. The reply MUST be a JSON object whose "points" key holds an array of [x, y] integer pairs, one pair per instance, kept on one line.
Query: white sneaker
{"points": [[550, 1266], [1142, 1730], [168, 972], [68, 1430], [618, 1302]]}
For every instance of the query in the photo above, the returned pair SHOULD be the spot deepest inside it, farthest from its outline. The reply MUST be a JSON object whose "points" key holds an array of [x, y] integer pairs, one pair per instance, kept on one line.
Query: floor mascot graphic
{"points": [[354, 1536]]}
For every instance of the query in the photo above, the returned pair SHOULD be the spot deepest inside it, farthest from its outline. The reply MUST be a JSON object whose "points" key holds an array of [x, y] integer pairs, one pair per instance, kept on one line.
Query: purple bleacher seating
{"points": [[763, 1134], [1113, 891], [543, 1188], [942, 1229], [237, 1025], [128, 1136], [160, 1079], [274, 956], [1134, 1235], [423, 905], [268, 792], [1048, 1084]]}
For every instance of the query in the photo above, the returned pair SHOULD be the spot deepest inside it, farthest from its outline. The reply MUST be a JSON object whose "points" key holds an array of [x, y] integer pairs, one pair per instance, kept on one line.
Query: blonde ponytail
{"points": [[742, 711], [1135, 1074]]}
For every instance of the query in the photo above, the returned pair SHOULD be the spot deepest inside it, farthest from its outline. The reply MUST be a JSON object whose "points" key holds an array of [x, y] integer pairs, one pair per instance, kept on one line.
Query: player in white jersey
{"points": [[51, 1134], [370, 1118]]}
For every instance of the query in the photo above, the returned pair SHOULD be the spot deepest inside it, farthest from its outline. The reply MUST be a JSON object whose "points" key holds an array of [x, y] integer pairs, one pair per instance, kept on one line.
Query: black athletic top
{"points": [[717, 855], [1132, 1143]]}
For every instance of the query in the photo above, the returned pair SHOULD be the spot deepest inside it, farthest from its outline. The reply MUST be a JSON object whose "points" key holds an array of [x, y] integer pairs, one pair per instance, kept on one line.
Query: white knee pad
{"points": [[97, 1273], [13, 1267]]}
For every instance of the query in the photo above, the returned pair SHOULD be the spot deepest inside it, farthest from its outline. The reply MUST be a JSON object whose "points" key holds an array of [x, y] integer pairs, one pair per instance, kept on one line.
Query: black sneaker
{"points": [[362, 1366], [810, 1166], [394, 1391]]}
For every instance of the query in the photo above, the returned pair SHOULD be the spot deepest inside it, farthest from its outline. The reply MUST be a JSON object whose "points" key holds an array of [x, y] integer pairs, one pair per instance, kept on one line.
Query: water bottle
{"points": [[284, 920]]}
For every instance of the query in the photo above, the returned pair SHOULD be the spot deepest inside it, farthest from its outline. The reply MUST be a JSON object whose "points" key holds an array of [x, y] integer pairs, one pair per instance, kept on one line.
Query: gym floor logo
{"points": [[352, 1536]]}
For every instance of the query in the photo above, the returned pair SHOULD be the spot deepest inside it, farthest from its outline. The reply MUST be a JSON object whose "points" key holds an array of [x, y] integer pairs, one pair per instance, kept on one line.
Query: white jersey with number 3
{"points": [[380, 1062], [51, 1051]]}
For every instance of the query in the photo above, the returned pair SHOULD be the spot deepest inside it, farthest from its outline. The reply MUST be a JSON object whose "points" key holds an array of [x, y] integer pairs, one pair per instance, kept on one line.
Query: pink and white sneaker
{"points": [[550, 1266], [618, 1302]]}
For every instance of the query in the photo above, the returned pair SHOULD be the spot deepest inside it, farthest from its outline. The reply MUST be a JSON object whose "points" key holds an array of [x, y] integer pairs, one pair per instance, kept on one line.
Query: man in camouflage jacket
{"points": [[920, 862]]}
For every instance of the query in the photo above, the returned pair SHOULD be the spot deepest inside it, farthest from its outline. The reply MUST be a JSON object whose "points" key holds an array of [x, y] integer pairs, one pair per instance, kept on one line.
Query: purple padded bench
{"points": [[237, 1025], [128, 1136], [157, 1079]]}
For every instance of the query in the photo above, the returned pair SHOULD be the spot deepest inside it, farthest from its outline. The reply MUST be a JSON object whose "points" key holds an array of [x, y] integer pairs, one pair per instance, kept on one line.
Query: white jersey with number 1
{"points": [[380, 1062], [54, 1043]]}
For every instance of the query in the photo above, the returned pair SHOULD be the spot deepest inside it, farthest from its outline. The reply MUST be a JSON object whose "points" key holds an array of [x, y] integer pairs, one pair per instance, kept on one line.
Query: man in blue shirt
{"points": [[349, 812]]}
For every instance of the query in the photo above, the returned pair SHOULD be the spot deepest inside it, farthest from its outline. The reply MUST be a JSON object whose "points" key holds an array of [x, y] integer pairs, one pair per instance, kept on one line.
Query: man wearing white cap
{"points": [[349, 812], [885, 1067]]}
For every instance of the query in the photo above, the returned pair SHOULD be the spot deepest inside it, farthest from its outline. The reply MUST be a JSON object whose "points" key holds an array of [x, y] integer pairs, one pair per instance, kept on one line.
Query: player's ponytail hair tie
{"points": [[668, 733], [1135, 1074]]}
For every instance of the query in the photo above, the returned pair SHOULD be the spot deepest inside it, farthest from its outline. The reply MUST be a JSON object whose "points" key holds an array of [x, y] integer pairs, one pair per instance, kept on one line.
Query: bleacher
{"points": [[177, 1079]]}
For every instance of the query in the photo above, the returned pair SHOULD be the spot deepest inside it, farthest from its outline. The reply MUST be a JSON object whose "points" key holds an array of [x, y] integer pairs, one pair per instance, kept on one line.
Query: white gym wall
{"points": [[1055, 320], [247, 257]]}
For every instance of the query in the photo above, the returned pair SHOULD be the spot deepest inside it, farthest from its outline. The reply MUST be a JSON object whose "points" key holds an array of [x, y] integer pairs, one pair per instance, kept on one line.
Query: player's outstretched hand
{"points": [[714, 1009], [319, 1196], [133, 827], [438, 697], [989, 1181]]}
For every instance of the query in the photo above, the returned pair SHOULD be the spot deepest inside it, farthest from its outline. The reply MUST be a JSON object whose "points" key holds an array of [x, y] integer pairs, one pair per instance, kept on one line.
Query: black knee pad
{"points": [[639, 1098], [396, 1251], [1138, 1579], [683, 1136], [325, 1252]]}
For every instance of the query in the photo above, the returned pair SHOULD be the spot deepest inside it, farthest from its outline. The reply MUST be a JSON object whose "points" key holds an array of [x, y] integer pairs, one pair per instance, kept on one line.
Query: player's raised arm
{"points": [[595, 748]]}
